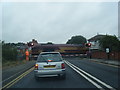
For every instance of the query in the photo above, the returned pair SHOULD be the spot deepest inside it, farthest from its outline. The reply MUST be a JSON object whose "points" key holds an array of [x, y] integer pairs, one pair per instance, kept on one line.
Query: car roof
{"points": [[49, 52]]}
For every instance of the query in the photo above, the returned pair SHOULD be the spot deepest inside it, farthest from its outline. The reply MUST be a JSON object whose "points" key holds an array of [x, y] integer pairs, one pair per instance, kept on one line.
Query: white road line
{"points": [[98, 86], [106, 85]]}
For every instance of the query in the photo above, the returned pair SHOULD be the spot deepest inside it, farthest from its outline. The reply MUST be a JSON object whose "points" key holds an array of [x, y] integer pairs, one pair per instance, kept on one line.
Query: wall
{"points": [[103, 55]]}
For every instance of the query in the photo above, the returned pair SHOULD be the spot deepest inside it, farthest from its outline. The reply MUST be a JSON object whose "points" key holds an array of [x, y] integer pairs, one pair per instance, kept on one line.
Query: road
{"points": [[80, 73], [10, 73]]}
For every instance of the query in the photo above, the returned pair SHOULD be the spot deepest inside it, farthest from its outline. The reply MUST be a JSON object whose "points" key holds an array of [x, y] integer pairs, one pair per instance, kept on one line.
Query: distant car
{"points": [[49, 64]]}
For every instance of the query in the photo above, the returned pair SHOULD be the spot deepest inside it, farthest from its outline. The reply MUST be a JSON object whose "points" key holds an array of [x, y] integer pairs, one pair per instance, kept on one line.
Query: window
{"points": [[54, 57]]}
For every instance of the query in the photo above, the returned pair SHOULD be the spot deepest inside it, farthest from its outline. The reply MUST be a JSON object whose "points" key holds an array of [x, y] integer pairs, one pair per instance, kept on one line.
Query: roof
{"points": [[49, 52], [96, 38]]}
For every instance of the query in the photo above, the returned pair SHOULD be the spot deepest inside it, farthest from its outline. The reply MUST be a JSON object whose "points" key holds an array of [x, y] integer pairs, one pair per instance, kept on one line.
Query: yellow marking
{"points": [[18, 78], [24, 74]]}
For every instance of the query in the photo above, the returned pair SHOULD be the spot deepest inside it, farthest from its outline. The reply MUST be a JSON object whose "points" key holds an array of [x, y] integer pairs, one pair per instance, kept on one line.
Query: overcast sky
{"points": [[57, 22]]}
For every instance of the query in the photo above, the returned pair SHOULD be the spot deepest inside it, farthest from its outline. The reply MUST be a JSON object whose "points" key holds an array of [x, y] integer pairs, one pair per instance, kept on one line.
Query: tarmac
{"points": [[111, 62]]}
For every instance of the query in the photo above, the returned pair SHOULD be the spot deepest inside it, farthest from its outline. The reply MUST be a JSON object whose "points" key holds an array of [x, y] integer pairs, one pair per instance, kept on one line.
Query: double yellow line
{"points": [[18, 78]]}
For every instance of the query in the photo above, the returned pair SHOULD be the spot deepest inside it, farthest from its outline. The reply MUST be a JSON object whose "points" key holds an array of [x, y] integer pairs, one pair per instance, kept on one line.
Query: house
{"points": [[95, 45], [119, 37]]}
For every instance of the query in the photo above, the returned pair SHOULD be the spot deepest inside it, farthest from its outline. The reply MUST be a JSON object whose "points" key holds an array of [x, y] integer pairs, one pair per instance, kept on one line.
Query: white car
{"points": [[49, 64]]}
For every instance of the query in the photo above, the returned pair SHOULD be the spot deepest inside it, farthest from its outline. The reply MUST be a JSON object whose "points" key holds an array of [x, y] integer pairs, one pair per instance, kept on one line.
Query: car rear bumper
{"points": [[48, 73]]}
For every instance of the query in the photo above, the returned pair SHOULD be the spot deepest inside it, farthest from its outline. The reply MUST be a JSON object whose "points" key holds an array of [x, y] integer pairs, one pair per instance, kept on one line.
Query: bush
{"points": [[9, 52]]}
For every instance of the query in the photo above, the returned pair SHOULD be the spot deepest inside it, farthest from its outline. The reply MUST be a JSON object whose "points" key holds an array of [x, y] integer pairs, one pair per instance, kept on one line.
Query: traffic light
{"points": [[88, 44], [30, 44]]}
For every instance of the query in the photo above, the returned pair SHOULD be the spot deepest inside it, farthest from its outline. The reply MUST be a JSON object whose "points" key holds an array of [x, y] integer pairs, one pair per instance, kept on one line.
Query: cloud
{"points": [[0, 21], [57, 22]]}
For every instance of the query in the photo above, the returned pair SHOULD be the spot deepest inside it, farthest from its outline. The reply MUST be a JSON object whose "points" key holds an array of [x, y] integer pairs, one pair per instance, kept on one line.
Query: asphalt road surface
{"points": [[80, 73]]}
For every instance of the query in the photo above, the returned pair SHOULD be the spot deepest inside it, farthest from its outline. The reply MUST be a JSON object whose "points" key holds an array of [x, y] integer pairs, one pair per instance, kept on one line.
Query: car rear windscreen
{"points": [[53, 57]]}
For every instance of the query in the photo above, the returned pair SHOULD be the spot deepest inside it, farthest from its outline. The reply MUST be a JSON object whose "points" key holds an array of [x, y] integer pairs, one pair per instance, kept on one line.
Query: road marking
{"points": [[23, 75], [11, 76], [18, 78], [85, 73], [98, 86]]}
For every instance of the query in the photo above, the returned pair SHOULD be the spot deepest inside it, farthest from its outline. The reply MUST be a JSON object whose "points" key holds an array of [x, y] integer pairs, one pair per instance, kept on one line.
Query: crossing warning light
{"points": [[30, 44], [88, 44]]}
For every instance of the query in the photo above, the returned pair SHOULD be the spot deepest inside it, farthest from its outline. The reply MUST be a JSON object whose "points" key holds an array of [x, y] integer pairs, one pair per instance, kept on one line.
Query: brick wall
{"points": [[103, 55]]}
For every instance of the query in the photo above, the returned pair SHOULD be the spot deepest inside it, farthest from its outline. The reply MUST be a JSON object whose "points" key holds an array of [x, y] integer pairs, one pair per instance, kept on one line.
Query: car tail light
{"points": [[36, 66], [62, 65], [49, 60]]}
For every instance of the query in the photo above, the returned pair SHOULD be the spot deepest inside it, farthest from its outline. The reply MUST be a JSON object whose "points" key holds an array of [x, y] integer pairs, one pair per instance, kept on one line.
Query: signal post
{"points": [[88, 45]]}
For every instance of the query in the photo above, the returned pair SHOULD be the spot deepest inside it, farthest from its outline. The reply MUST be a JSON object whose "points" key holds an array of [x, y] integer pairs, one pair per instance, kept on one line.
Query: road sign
{"points": [[107, 50]]}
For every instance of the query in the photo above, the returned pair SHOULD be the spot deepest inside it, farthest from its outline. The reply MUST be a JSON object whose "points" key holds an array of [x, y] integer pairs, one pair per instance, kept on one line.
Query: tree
{"points": [[110, 42], [77, 40]]}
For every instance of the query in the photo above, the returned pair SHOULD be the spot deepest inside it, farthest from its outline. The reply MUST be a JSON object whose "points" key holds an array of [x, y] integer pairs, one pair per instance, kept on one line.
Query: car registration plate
{"points": [[49, 66]]}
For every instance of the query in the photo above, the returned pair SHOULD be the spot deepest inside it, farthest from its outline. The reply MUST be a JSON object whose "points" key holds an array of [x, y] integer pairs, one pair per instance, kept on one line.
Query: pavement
{"points": [[111, 62]]}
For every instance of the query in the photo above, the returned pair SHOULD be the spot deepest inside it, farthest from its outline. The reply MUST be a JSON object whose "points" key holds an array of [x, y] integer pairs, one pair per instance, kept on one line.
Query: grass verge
{"points": [[8, 64]]}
